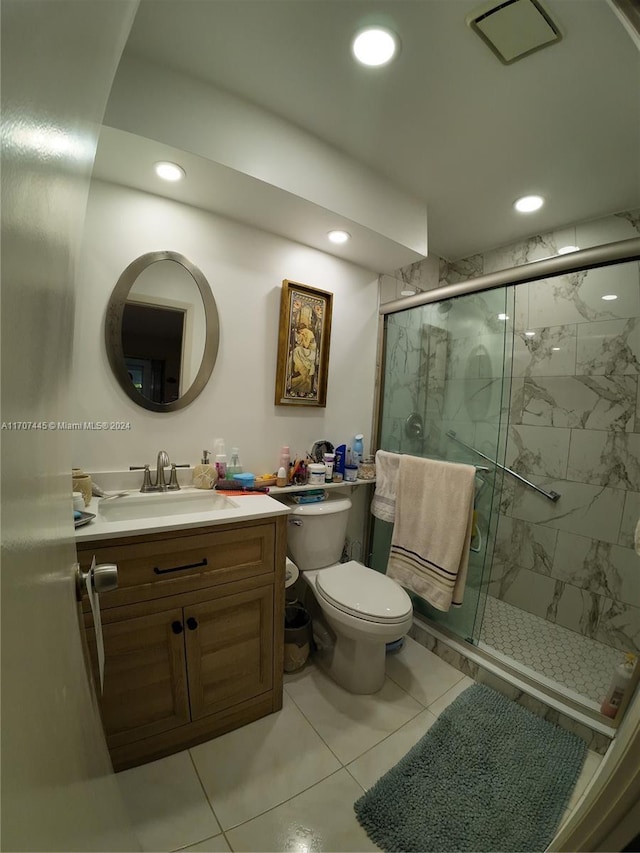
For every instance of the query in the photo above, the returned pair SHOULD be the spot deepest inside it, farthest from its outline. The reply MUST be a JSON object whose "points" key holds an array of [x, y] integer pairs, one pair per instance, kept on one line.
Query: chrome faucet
{"points": [[160, 484], [162, 463]]}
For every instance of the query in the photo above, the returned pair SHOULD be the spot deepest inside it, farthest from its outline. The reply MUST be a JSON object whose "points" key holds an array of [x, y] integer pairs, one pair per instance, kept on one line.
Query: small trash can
{"points": [[297, 637]]}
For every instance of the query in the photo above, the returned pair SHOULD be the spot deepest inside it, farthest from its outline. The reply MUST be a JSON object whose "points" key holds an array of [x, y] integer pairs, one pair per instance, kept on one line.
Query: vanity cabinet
{"points": [[193, 636], [145, 682]]}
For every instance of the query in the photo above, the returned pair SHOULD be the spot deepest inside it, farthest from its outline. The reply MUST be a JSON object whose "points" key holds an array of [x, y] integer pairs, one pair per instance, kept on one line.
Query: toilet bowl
{"points": [[364, 609]]}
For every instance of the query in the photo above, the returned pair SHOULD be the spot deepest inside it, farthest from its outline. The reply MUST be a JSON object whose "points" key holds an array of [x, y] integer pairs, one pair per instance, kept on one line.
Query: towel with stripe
{"points": [[383, 505], [432, 531]]}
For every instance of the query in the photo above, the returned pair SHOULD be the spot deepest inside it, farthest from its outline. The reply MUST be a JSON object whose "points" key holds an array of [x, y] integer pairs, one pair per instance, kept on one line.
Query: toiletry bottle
{"points": [[221, 458], [281, 479], [221, 466], [205, 475], [358, 449], [329, 459], [285, 460], [235, 467], [618, 686]]}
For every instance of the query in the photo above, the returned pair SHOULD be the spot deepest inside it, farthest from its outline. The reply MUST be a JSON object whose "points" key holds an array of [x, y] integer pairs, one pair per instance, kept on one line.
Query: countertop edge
{"points": [[250, 507]]}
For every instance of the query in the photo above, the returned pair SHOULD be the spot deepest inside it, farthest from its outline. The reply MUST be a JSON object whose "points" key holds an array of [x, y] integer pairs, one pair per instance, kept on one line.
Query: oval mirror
{"points": [[162, 331]]}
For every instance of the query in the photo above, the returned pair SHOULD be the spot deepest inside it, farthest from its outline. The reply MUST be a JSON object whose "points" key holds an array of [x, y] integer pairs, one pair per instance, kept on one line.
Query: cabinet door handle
{"points": [[192, 623], [181, 568], [176, 627]]}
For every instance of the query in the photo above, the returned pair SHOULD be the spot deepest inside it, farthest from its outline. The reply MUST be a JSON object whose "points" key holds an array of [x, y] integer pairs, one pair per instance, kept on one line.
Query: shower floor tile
{"points": [[575, 661]]}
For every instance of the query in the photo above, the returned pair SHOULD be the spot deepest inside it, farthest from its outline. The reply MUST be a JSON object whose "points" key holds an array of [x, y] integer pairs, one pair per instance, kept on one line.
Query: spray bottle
{"points": [[235, 467], [357, 453]]}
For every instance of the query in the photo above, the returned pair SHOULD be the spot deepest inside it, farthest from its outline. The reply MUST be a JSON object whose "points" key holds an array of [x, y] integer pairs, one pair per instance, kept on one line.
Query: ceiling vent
{"points": [[514, 29]]}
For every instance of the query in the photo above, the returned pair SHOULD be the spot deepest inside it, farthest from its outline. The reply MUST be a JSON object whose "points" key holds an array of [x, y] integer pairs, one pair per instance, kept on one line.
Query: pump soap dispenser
{"points": [[205, 475], [235, 467]]}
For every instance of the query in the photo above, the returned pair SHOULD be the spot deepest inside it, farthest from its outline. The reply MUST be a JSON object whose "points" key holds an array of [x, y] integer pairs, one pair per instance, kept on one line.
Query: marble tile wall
{"points": [[573, 413], [405, 377], [574, 427]]}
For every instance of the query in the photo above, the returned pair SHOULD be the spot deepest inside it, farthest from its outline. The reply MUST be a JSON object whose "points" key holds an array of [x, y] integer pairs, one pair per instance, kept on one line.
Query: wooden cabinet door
{"points": [[229, 643], [145, 683]]}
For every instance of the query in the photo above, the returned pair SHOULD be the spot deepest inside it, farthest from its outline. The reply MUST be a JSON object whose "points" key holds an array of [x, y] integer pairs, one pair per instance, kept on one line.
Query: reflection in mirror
{"points": [[152, 342], [162, 331]]}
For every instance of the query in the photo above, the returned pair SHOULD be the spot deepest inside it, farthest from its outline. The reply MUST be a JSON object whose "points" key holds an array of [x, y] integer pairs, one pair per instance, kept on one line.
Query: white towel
{"points": [[383, 505], [432, 531]]}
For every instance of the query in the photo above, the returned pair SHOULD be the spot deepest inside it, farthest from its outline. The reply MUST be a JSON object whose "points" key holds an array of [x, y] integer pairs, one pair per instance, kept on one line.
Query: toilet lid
{"points": [[364, 592]]}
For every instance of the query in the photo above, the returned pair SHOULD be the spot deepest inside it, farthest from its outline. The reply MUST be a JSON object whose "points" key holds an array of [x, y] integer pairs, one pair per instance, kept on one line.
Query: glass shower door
{"points": [[445, 386]]}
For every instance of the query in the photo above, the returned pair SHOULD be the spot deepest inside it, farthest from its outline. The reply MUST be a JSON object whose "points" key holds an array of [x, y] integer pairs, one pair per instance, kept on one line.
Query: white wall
{"points": [[245, 268]]}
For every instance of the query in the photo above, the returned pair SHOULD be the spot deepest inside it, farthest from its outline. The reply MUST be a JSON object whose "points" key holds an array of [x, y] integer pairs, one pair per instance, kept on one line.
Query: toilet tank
{"points": [[316, 533]]}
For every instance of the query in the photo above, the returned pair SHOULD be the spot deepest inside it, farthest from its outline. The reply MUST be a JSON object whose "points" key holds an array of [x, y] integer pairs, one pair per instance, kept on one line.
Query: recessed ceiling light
{"points": [[374, 46], [408, 292], [339, 236], [609, 297], [169, 171], [503, 316], [565, 250], [528, 203], [556, 349], [529, 334]]}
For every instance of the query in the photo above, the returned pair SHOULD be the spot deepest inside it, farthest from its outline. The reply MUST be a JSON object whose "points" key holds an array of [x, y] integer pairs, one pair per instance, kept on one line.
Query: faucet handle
{"points": [[173, 482], [147, 485]]}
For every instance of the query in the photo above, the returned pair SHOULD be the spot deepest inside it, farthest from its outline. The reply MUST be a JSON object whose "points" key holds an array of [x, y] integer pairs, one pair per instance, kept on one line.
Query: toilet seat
{"points": [[291, 573], [363, 593]]}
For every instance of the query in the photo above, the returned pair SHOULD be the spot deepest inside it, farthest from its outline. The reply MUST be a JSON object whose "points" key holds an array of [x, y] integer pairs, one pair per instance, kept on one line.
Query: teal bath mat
{"points": [[489, 775]]}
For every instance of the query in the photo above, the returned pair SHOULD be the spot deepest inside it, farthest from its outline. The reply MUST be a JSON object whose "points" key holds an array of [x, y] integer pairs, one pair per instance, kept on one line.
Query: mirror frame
{"points": [[113, 331]]}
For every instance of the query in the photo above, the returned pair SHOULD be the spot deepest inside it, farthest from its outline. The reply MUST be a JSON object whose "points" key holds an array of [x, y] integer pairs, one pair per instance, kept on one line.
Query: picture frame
{"points": [[304, 337]]}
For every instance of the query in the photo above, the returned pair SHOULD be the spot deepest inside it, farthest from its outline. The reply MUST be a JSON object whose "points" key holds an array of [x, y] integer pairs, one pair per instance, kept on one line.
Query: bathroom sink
{"points": [[161, 504]]}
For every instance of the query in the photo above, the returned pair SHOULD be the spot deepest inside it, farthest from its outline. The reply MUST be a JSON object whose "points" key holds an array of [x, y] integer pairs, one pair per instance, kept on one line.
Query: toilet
{"points": [[364, 608]]}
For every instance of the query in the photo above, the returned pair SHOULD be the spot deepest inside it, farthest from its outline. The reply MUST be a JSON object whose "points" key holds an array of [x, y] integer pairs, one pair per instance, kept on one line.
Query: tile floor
{"points": [[288, 782], [571, 659]]}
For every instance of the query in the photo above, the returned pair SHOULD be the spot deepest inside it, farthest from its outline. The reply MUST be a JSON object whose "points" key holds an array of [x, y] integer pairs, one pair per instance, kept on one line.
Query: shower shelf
{"points": [[552, 496]]}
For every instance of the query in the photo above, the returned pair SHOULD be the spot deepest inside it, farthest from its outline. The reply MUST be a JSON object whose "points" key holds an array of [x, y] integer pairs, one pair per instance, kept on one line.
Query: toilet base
{"points": [[356, 665]]}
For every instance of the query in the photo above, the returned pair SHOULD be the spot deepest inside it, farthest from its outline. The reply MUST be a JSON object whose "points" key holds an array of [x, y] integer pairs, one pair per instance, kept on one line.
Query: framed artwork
{"points": [[303, 345]]}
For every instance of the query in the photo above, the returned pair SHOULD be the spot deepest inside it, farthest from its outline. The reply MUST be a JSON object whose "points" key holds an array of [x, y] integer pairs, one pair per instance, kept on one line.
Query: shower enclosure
{"points": [[532, 377]]}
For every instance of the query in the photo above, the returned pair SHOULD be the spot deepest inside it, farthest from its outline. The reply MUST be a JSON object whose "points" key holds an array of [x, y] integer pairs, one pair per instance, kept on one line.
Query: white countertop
{"points": [[246, 508]]}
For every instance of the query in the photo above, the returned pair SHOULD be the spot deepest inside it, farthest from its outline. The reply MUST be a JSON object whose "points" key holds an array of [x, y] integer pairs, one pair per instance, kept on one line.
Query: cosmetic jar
{"points": [[350, 473], [316, 474]]}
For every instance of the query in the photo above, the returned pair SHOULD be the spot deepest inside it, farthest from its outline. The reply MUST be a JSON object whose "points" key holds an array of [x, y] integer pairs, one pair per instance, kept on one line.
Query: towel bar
{"points": [[477, 467], [553, 496]]}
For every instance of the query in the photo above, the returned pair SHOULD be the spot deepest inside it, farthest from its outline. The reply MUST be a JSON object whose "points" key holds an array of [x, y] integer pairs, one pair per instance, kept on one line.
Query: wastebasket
{"points": [[297, 637]]}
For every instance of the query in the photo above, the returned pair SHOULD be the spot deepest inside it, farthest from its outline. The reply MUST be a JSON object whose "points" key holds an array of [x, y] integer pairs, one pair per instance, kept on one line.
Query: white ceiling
{"points": [[446, 122]]}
